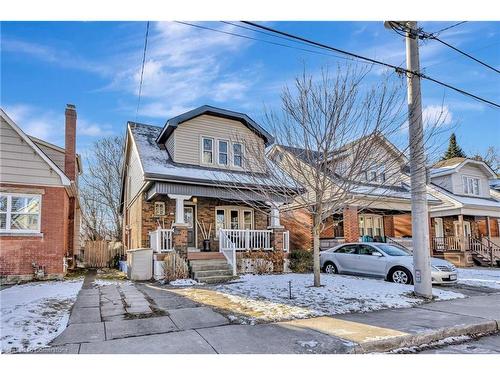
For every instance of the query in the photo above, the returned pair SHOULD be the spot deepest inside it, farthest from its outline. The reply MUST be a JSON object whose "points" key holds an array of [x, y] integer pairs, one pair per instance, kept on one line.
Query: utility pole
{"points": [[418, 170]]}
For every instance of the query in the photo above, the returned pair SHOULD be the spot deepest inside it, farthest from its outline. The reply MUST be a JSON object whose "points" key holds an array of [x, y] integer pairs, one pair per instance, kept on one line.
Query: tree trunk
{"points": [[316, 265]]}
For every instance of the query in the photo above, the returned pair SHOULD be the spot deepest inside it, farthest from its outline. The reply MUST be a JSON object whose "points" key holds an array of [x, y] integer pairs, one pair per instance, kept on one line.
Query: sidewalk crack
{"points": [[205, 340]]}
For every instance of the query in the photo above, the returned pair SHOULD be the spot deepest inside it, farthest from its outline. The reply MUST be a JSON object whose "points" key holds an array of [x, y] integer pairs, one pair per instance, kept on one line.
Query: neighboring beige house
{"points": [[193, 173], [465, 226]]}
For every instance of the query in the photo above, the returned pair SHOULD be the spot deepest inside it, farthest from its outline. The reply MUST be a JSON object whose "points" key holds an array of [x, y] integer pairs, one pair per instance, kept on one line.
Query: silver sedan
{"points": [[382, 260]]}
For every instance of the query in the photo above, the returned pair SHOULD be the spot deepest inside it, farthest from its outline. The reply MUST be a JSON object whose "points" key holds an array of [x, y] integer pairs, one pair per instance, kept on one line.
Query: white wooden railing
{"points": [[286, 241], [247, 239], [228, 248], [160, 240]]}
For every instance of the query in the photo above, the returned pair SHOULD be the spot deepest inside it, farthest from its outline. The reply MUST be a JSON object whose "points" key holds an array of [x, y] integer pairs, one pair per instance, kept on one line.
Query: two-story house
{"points": [[39, 205], [186, 187], [465, 226], [376, 205]]}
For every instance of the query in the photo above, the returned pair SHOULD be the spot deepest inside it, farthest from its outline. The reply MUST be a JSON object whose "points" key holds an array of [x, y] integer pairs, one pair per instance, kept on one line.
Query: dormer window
{"points": [[237, 154], [208, 150], [471, 185], [223, 159]]}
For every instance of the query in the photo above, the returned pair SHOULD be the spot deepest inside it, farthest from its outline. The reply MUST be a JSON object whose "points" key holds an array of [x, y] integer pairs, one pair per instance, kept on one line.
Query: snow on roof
{"points": [[399, 192], [157, 164]]}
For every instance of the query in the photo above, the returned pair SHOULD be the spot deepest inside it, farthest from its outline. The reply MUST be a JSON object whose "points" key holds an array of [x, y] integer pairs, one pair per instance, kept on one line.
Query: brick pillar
{"points": [[351, 224], [180, 240], [277, 238], [389, 226]]}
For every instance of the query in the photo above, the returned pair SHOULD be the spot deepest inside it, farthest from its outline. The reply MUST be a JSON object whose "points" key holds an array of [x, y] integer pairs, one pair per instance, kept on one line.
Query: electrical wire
{"points": [[142, 70]]}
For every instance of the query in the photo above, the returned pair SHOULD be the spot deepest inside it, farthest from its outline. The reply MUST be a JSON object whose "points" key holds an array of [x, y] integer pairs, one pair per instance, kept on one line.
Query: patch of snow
{"points": [[268, 295], [103, 282], [34, 314], [479, 277], [184, 282], [308, 344], [443, 342]]}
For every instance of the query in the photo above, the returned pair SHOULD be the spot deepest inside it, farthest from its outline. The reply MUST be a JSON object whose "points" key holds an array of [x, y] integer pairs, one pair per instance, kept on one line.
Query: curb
{"points": [[429, 337]]}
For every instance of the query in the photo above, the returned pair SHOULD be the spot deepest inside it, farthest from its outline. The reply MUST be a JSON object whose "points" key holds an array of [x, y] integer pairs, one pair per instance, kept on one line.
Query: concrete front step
{"points": [[206, 273], [210, 255], [209, 266], [215, 279]]}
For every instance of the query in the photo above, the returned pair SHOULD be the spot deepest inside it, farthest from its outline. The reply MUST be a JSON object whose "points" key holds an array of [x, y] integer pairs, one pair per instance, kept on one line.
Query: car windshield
{"points": [[393, 250]]}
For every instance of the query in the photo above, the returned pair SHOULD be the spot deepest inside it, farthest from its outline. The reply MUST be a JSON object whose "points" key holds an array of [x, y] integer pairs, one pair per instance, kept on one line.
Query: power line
{"points": [[465, 54], [142, 70], [449, 27], [373, 61]]}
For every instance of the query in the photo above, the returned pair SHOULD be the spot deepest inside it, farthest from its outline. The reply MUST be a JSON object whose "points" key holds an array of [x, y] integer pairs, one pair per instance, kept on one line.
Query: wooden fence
{"points": [[99, 254]]}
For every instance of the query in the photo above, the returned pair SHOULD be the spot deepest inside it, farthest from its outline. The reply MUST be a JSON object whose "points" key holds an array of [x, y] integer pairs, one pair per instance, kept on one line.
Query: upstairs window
{"points": [[223, 159], [471, 185], [237, 154], [208, 150], [20, 213]]}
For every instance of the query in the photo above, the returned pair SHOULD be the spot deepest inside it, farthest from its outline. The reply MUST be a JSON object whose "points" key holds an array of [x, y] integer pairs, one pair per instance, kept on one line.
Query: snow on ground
{"points": [[34, 314], [184, 282], [269, 295], [104, 282], [479, 277]]}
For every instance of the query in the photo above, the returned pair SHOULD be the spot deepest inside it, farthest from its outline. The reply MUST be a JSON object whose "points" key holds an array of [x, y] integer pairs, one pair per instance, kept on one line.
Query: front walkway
{"points": [[125, 317]]}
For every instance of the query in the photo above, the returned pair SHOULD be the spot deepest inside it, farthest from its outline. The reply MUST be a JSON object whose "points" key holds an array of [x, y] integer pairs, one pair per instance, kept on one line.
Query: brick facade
{"points": [[351, 224], [388, 225], [299, 223], [48, 249]]}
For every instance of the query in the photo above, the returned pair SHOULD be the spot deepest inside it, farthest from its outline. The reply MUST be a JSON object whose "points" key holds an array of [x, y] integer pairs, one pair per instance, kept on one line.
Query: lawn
{"points": [[34, 314], [263, 298]]}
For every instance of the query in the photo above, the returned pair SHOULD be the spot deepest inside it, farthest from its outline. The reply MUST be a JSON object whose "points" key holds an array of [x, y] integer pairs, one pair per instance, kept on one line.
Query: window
{"points": [[371, 225], [237, 154], [373, 175], [20, 213], [361, 226], [233, 217], [247, 219], [348, 249], [222, 152], [159, 208], [471, 185], [220, 219], [365, 250], [208, 150], [234, 224]]}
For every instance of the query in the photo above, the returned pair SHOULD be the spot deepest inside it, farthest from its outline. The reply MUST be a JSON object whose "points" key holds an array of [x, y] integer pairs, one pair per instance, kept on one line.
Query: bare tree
{"points": [[100, 190], [490, 157], [324, 137]]}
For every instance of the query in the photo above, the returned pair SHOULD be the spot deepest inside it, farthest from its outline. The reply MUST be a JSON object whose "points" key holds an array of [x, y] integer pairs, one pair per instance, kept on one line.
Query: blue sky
{"points": [[96, 65]]}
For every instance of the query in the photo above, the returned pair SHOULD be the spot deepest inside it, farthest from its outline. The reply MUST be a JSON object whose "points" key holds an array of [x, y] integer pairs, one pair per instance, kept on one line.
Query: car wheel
{"points": [[330, 268], [400, 276]]}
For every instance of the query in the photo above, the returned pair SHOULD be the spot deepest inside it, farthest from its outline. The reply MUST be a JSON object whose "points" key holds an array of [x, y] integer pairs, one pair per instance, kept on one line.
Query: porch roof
{"points": [[388, 191], [157, 165]]}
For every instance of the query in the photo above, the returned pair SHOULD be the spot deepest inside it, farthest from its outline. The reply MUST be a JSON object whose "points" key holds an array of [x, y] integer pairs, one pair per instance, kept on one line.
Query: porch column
{"points": [[351, 224], [275, 215], [461, 234], [179, 207], [276, 227], [488, 227]]}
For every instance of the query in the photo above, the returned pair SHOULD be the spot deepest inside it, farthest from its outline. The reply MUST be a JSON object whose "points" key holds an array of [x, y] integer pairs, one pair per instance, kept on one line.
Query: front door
{"points": [[189, 219]]}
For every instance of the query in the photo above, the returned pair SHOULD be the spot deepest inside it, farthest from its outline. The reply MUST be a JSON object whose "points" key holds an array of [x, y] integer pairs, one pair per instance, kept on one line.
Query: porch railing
{"points": [[161, 240], [228, 248], [246, 239], [449, 243], [406, 243]]}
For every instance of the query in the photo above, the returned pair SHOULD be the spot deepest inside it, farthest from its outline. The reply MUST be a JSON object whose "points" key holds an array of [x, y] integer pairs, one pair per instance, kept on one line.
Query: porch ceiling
{"points": [[160, 187]]}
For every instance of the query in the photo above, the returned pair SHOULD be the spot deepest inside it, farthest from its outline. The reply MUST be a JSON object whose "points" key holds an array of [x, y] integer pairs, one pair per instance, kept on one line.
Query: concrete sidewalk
{"points": [[103, 321]]}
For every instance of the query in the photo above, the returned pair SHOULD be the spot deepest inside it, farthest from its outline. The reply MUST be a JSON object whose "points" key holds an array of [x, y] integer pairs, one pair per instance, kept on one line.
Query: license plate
{"points": [[453, 277]]}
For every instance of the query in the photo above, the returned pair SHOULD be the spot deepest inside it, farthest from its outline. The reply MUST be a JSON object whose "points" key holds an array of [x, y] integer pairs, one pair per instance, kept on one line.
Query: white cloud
{"points": [[436, 115]]}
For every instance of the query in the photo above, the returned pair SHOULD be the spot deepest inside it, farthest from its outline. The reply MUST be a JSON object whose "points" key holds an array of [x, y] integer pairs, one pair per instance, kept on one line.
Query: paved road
{"points": [[484, 345]]}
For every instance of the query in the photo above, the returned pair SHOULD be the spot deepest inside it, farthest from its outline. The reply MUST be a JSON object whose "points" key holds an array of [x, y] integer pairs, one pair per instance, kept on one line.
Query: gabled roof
{"points": [[157, 164], [64, 179], [445, 167], [59, 149], [172, 124]]}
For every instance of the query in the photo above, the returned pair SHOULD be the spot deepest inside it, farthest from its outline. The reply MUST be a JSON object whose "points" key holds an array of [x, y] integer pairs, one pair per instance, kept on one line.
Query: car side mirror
{"points": [[377, 254]]}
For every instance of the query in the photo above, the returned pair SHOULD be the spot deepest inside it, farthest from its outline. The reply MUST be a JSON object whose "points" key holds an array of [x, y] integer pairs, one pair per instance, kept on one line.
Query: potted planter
{"points": [[206, 245], [206, 235]]}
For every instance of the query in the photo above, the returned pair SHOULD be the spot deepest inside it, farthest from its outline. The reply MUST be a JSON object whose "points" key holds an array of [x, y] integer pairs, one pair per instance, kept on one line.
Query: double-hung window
{"points": [[208, 150], [20, 213], [237, 154], [471, 185], [223, 159]]}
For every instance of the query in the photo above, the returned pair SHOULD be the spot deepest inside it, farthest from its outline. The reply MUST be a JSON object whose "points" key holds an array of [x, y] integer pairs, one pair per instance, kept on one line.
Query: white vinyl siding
{"points": [[55, 155], [188, 135], [134, 173], [20, 164], [170, 145]]}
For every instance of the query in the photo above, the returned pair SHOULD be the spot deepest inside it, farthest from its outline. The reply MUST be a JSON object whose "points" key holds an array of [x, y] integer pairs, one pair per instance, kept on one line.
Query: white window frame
{"points": [[8, 213], [363, 227], [466, 181], [203, 150], [233, 154], [228, 145], [241, 216], [159, 209]]}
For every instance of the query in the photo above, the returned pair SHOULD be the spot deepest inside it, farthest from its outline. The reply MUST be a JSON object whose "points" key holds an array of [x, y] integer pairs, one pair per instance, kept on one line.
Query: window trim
{"points": [[8, 214], [227, 217], [203, 150], [242, 155], [363, 230], [465, 183], [228, 159]]}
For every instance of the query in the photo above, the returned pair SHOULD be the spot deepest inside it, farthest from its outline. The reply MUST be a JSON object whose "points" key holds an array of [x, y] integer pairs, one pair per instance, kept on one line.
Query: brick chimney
{"points": [[70, 142]]}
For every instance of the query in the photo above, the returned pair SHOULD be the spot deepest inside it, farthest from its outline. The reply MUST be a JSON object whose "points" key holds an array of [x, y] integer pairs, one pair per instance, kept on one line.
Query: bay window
{"points": [[20, 213]]}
